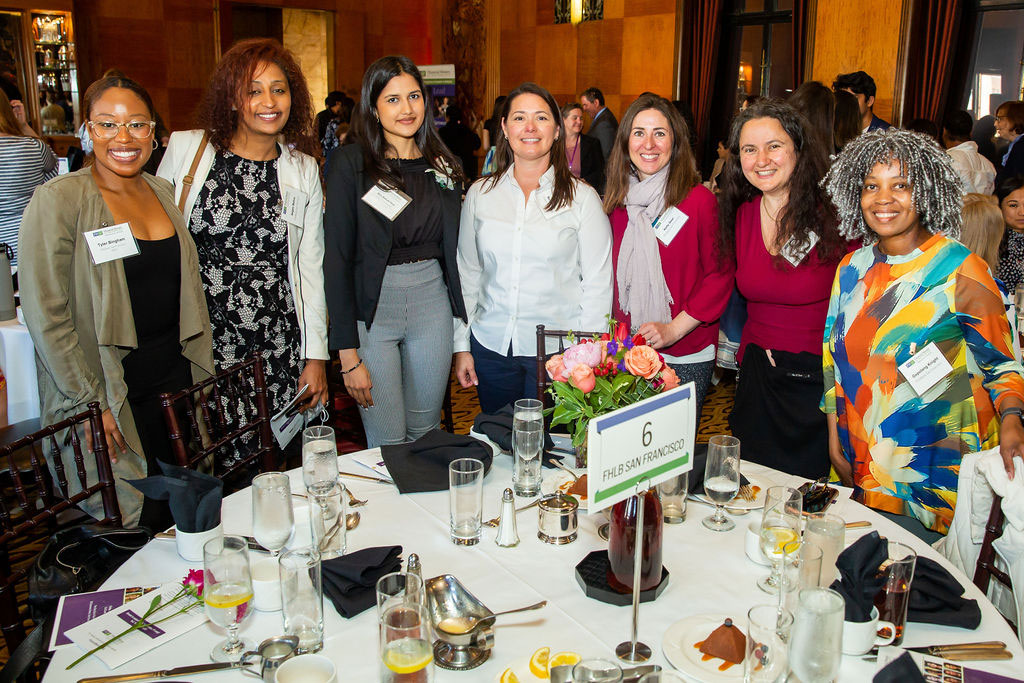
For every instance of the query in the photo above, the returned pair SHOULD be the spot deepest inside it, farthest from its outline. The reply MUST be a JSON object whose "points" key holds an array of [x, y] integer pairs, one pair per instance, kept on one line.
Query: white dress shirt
{"points": [[977, 172], [523, 266]]}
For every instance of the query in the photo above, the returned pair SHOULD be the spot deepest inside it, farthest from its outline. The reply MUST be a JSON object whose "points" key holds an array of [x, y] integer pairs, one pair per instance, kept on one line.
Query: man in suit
{"points": [[862, 86], [602, 122]]}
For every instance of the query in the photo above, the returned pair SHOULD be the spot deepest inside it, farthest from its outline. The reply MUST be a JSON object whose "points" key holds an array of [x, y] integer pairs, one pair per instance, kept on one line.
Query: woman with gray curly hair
{"points": [[917, 359]]}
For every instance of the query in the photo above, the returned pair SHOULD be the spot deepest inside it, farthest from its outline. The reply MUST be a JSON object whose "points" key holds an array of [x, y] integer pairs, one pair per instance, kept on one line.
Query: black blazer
{"points": [[357, 243], [604, 128], [1014, 163], [592, 162]]}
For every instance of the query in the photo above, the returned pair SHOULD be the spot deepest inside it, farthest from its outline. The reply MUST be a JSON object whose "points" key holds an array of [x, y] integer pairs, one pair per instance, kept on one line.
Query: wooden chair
{"points": [[35, 498], [986, 568], [223, 415], [543, 381]]}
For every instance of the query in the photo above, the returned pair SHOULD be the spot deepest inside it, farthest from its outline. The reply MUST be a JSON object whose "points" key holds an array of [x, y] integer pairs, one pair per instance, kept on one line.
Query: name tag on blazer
{"points": [[111, 243], [387, 202], [293, 204]]}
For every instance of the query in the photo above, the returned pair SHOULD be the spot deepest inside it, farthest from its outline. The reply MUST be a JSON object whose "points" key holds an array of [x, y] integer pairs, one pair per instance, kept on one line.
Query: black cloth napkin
{"points": [[350, 581], [422, 465], [695, 484], [936, 597], [498, 428], [903, 669], [194, 497]]}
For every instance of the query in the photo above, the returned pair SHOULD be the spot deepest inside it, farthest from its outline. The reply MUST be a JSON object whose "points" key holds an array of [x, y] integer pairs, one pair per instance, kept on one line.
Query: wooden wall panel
{"points": [[648, 49], [599, 40], [518, 58], [555, 61]]}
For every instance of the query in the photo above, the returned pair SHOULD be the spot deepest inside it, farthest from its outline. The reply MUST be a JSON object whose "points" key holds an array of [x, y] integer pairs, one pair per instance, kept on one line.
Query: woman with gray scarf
{"points": [[669, 284]]}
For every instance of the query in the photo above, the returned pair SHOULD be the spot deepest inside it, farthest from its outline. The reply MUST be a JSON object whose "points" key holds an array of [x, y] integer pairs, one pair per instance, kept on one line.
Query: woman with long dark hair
{"points": [[534, 248], [1010, 194], [249, 182], [669, 286], [392, 226], [780, 230]]}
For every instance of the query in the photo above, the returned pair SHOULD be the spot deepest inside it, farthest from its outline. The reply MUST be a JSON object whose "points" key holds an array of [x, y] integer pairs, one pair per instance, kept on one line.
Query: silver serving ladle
{"points": [[468, 623]]}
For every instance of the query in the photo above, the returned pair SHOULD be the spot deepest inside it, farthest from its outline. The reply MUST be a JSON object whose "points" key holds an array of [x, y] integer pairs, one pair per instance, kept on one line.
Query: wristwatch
{"points": [[1019, 412]]}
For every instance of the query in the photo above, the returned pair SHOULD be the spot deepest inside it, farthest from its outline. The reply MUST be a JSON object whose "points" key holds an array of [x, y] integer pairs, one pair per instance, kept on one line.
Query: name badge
{"points": [[925, 368], [668, 225], [388, 203], [795, 255], [293, 205], [111, 243]]}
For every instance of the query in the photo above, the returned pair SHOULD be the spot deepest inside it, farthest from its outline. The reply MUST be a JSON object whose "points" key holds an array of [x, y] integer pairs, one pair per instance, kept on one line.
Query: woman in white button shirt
{"points": [[534, 248]]}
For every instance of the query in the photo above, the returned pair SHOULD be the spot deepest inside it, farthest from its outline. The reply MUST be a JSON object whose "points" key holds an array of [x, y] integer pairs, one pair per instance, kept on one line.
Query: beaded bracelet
{"points": [[345, 372]]}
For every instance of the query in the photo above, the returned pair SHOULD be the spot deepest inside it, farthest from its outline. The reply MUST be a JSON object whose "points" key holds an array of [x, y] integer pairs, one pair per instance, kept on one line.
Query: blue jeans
{"points": [[503, 379]]}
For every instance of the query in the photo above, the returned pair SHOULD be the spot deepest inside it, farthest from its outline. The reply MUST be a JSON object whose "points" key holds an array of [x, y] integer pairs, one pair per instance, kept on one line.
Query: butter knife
{"points": [[169, 535], [353, 475], [165, 673]]}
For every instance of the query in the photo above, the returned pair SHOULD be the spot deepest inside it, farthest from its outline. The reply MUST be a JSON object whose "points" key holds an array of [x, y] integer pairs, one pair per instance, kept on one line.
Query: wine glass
{"points": [[780, 530], [227, 591], [319, 459], [272, 516], [721, 478]]}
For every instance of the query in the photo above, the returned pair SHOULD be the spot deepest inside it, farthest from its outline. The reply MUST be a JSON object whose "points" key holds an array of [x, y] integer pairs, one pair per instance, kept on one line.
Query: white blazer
{"points": [[305, 241]]}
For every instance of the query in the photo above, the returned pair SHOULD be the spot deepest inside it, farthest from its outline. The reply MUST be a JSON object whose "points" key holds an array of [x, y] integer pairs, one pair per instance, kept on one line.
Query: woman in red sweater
{"points": [[779, 230], [669, 285]]}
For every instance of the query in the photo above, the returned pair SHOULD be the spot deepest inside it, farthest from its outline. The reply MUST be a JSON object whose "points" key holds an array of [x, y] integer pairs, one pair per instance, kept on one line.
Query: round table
{"points": [[709, 574]]}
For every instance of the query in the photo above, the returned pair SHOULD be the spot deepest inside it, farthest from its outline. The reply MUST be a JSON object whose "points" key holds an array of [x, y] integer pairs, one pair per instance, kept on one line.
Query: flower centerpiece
{"points": [[597, 375]]}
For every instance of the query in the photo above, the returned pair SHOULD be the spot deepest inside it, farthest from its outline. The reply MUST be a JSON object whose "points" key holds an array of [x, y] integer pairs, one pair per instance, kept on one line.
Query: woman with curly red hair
{"points": [[248, 183]]}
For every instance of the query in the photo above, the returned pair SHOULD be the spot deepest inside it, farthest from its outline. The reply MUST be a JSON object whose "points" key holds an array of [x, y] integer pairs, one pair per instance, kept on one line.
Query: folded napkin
{"points": [[903, 669], [422, 465], [935, 595], [1011, 491], [194, 497], [695, 484], [350, 581], [498, 428]]}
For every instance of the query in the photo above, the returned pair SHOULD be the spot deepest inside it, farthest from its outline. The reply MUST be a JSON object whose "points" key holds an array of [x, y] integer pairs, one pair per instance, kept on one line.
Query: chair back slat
{"points": [[543, 334], [986, 568], [233, 417], [58, 467]]}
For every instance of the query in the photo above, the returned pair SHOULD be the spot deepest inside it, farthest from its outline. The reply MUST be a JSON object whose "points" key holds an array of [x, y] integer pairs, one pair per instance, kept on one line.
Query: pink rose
{"points": [[587, 353], [194, 581], [583, 378], [643, 361], [556, 368], [669, 376]]}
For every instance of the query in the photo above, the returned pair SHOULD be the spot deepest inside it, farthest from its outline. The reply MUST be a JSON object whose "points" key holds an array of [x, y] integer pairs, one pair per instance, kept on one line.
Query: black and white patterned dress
{"points": [[242, 241], [1011, 262]]}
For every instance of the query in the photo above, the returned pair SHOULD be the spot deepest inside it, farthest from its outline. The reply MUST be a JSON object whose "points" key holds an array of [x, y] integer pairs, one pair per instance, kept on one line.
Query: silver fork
{"points": [[353, 502]]}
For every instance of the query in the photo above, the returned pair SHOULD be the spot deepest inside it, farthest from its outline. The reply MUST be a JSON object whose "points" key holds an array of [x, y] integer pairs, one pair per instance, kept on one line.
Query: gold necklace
{"points": [[768, 213]]}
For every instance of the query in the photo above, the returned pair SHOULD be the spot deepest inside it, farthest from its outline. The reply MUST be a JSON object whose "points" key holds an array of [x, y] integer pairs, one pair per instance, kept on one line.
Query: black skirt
{"points": [[777, 416]]}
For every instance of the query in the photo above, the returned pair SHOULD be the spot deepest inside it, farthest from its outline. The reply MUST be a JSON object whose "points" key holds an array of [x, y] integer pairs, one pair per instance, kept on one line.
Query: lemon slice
{"points": [[407, 655], [563, 658], [226, 595], [539, 662], [508, 676]]}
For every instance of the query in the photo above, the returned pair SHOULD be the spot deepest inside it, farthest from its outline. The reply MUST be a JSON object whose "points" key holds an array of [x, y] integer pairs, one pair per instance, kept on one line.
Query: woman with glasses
{"points": [[253, 201], [118, 326]]}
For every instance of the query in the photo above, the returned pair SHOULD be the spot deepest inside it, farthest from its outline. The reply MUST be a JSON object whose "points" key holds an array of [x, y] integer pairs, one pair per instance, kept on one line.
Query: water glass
{"points": [[406, 654], [894, 598], [596, 671], [227, 592], [817, 643], [399, 588], [780, 527], [721, 478], [272, 516], [327, 522], [465, 500], [828, 532], [319, 459], [768, 633], [801, 568], [302, 598], [673, 498], [527, 444]]}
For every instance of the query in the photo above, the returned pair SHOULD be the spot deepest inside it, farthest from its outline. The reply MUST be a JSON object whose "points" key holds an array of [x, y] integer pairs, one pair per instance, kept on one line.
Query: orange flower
{"points": [[582, 377], [556, 368], [669, 376], [643, 361]]}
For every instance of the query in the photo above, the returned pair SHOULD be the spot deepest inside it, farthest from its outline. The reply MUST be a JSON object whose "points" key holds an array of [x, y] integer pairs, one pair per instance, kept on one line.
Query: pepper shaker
{"points": [[508, 534], [412, 565]]}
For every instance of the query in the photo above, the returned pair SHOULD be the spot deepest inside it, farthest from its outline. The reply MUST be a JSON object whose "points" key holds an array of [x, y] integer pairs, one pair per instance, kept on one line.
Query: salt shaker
{"points": [[508, 535], [412, 565]]}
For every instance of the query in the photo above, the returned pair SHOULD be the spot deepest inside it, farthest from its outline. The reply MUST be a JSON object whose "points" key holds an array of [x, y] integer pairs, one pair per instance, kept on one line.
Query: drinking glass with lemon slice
{"points": [[227, 591], [780, 529], [406, 655]]}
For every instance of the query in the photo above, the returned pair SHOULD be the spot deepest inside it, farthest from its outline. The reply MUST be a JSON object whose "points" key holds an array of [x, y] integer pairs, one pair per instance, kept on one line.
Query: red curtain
{"points": [[703, 20], [800, 23], [935, 26]]}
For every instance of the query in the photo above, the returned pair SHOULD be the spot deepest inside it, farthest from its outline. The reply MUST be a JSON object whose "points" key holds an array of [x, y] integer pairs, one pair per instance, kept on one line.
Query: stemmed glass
{"points": [[721, 478], [780, 530], [272, 516], [227, 591]]}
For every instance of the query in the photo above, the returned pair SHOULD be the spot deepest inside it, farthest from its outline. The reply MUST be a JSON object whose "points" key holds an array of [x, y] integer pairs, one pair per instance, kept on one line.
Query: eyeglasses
{"points": [[108, 130]]}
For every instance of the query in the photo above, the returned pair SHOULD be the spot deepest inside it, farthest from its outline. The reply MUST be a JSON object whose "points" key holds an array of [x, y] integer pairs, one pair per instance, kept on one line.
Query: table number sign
{"points": [[651, 440]]}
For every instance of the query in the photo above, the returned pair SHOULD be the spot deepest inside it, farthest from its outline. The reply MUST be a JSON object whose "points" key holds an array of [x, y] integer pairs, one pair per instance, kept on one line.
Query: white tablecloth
{"points": [[709, 574], [18, 362]]}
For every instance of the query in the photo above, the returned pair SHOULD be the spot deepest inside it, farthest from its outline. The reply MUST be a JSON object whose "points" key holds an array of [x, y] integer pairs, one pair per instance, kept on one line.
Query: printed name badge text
{"points": [[293, 205], [925, 368], [111, 243], [669, 224], [389, 203]]}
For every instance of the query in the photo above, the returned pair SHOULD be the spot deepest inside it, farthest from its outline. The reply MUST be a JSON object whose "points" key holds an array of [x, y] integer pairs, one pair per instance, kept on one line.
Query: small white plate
{"points": [[760, 487], [678, 646], [562, 481]]}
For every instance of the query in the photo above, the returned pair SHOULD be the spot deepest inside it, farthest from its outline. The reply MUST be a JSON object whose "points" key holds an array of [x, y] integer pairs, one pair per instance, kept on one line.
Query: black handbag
{"points": [[79, 559]]}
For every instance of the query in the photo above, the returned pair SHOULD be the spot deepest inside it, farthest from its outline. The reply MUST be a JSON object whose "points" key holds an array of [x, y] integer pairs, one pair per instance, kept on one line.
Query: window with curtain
{"points": [[997, 53]]}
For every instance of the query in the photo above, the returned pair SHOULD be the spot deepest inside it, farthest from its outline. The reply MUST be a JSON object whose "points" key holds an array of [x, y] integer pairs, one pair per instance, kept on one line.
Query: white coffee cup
{"points": [[190, 546], [752, 544], [307, 669], [266, 583], [859, 637]]}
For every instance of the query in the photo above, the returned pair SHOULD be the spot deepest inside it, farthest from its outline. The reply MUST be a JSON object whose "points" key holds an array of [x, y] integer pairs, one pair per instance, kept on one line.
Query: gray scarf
{"points": [[642, 289]]}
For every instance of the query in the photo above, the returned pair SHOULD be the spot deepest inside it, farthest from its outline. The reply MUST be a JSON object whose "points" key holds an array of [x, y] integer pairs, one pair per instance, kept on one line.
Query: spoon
{"points": [[575, 477], [468, 623], [352, 520]]}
